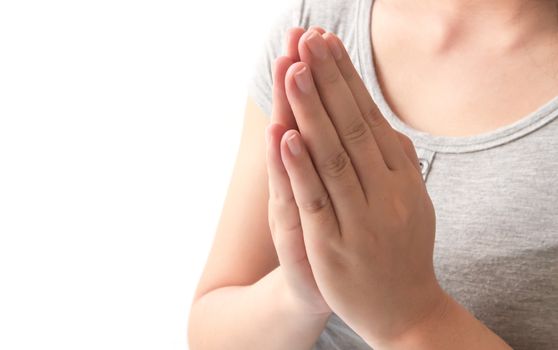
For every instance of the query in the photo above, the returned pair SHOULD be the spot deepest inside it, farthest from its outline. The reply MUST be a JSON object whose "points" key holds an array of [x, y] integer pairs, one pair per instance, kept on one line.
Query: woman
{"points": [[460, 103]]}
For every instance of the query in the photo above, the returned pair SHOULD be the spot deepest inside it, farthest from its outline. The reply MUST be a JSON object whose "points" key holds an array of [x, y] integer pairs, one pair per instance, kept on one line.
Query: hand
{"points": [[367, 220], [284, 221]]}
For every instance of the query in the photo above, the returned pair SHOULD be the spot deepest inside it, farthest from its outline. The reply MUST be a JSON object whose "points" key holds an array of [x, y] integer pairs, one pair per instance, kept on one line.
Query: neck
{"points": [[508, 24], [506, 9]]}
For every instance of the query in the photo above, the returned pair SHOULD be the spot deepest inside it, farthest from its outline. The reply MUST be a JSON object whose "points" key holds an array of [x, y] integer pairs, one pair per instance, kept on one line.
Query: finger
{"points": [[291, 43], [286, 229], [332, 162], [384, 134], [317, 215], [316, 28], [409, 149], [290, 48], [281, 111], [356, 136]]}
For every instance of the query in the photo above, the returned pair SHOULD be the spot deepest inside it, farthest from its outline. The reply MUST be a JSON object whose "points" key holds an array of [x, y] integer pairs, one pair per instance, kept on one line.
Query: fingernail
{"points": [[294, 144], [316, 45], [316, 28], [335, 48], [302, 79]]}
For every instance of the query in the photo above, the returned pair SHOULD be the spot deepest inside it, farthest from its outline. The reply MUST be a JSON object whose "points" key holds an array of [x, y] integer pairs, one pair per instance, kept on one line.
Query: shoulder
{"points": [[337, 16]]}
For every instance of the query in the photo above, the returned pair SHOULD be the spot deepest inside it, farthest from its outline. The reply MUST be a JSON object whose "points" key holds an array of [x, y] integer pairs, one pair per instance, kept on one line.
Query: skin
{"points": [[458, 40], [258, 290], [356, 205], [244, 299], [334, 173], [354, 161]]}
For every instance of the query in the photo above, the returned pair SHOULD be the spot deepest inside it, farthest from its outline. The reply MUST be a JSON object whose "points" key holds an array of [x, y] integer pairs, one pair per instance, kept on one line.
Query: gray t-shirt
{"points": [[495, 195]]}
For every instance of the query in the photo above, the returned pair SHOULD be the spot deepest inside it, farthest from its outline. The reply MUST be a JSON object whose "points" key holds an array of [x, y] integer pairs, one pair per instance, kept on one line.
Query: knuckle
{"points": [[409, 147], [330, 77], [404, 215], [293, 227], [284, 218], [336, 165], [349, 73], [316, 205], [356, 132], [405, 206], [417, 181], [397, 212], [281, 200], [407, 142], [274, 195], [374, 117]]}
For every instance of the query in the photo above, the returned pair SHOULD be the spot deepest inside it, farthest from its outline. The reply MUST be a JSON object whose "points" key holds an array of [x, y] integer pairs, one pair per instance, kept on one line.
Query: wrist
{"points": [[421, 335], [292, 303]]}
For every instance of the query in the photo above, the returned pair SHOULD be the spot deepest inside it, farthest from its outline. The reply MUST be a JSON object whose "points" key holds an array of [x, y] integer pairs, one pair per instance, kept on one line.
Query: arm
{"points": [[451, 326], [376, 230], [240, 302], [259, 316]]}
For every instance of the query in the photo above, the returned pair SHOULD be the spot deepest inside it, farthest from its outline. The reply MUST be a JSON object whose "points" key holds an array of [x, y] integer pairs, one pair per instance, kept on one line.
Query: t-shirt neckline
{"points": [[449, 144]]}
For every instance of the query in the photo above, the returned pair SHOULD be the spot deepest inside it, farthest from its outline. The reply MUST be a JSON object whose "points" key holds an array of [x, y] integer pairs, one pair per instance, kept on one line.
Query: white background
{"points": [[119, 127]]}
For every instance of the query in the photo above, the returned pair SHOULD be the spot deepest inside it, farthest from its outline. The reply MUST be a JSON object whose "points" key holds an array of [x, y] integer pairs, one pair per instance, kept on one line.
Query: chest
{"points": [[496, 248], [453, 90]]}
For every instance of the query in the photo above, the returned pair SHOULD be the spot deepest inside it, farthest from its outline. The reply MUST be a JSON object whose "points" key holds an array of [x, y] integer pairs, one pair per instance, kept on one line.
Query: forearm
{"points": [[450, 327], [259, 316]]}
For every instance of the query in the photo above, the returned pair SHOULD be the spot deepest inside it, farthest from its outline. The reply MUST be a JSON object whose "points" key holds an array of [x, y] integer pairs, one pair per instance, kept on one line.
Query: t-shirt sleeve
{"points": [[260, 84]]}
